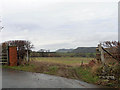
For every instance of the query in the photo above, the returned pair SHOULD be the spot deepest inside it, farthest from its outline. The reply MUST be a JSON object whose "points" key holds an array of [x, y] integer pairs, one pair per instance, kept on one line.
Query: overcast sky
{"points": [[54, 24]]}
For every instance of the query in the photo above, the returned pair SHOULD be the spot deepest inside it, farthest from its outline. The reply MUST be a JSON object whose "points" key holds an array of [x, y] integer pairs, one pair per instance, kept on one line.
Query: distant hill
{"points": [[84, 50], [64, 50], [79, 50]]}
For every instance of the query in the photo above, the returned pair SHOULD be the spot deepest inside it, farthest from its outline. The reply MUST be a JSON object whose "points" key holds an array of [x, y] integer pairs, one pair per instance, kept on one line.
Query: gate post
{"points": [[102, 53], [12, 55], [8, 55]]}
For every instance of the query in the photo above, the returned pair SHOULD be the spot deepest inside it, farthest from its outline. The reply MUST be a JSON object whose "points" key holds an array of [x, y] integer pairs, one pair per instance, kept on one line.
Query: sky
{"points": [[56, 24]]}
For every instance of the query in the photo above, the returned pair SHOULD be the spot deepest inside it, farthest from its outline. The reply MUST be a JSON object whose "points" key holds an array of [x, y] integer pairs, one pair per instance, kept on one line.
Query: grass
{"points": [[52, 70], [29, 68], [86, 75], [63, 60]]}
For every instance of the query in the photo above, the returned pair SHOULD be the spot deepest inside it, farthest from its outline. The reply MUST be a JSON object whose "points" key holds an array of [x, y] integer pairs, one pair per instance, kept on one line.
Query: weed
{"points": [[53, 69]]}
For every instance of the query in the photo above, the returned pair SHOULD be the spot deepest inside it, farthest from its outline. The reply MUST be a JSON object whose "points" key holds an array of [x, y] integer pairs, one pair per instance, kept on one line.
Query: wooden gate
{"points": [[101, 54]]}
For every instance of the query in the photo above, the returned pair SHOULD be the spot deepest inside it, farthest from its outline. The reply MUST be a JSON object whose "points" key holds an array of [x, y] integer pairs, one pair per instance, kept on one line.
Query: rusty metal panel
{"points": [[12, 55]]}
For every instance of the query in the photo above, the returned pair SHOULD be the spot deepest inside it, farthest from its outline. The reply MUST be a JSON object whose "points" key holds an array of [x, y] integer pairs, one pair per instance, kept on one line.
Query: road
{"points": [[20, 79]]}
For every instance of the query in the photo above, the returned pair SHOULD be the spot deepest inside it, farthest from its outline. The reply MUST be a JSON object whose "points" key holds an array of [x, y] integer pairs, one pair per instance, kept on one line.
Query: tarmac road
{"points": [[20, 79]]}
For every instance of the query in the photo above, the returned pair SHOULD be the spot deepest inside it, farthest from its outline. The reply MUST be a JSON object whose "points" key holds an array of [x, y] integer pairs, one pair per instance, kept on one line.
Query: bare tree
{"points": [[113, 49]]}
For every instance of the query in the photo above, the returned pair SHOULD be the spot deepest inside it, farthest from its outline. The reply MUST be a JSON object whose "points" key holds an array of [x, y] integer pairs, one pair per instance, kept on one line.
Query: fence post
{"points": [[27, 56], [8, 55], [0, 54], [102, 53]]}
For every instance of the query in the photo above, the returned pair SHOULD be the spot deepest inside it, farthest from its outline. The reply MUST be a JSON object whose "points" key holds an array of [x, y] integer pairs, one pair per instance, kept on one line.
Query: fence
{"points": [[103, 54], [8, 55], [4, 56]]}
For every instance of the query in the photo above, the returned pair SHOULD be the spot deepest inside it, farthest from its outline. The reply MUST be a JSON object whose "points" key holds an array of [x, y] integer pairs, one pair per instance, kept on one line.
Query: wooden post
{"points": [[27, 56], [98, 55], [8, 55], [0, 53], [102, 53]]}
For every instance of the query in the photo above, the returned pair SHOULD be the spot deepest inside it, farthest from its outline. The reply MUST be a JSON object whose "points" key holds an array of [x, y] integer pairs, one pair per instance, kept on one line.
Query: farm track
{"points": [[20, 79]]}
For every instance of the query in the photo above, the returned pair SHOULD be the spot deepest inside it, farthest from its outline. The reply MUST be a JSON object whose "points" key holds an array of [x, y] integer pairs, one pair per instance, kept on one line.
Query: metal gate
{"points": [[4, 56]]}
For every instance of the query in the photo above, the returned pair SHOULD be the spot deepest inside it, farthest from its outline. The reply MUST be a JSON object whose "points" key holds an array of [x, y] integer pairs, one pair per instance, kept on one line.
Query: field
{"points": [[73, 61]]}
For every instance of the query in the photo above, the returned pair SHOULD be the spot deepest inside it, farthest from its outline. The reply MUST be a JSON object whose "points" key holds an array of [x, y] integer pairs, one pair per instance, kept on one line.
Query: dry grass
{"points": [[68, 71], [95, 68], [72, 61]]}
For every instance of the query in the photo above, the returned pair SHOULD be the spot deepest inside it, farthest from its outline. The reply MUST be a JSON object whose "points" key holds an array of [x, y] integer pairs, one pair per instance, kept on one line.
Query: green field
{"points": [[63, 60]]}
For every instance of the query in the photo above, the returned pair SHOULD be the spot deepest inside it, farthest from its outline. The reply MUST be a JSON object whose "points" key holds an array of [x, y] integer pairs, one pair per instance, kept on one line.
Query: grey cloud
{"points": [[59, 25]]}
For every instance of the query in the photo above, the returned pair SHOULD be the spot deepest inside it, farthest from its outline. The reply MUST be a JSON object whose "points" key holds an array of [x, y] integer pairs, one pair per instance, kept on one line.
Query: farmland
{"points": [[73, 61]]}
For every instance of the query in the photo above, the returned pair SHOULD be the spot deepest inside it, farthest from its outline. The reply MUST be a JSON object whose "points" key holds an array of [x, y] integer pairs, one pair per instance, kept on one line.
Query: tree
{"points": [[23, 47]]}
